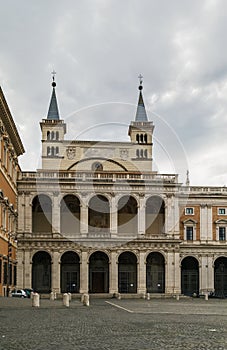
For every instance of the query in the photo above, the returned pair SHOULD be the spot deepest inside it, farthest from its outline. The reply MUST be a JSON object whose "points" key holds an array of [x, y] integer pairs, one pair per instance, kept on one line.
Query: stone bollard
{"points": [[70, 296], [177, 297], [206, 296], [35, 300], [148, 296], [52, 296], [32, 295], [66, 299], [118, 296], [143, 295], [82, 298], [86, 300]]}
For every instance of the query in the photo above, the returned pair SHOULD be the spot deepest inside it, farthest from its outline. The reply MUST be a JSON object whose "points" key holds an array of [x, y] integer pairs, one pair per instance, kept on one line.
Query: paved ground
{"points": [[114, 324]]}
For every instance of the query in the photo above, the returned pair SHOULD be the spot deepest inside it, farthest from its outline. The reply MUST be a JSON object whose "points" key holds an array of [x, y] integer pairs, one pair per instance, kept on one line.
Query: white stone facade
{"points": [[96, 219]]}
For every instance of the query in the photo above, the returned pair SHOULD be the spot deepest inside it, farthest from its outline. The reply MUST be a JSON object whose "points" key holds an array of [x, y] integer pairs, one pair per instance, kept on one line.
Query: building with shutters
{"points": [[97, 218], [10, 149]]}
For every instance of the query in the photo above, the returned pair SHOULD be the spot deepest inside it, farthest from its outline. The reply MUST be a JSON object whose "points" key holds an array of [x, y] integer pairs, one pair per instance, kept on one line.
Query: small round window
{"points": [[97, 166]]}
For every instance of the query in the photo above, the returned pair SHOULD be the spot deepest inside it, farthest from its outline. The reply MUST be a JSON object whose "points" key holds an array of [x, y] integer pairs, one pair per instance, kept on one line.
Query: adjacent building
{"points": [[10, 149], [97, 218]]}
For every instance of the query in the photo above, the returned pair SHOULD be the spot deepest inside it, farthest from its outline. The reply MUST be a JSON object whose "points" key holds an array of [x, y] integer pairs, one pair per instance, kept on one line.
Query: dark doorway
{"points": [[155, 273], [41, 272], [190, 276], [99, 273], [220, 277], [127, 273], [70, 273]]}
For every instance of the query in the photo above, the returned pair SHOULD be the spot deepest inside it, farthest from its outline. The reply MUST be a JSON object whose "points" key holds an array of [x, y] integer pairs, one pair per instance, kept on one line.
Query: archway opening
{"points": [[127, 215], [70, 214], [127, 273], [155, 215], [70, 273], [41, 272], [42, 214], [190, 276], [99, 214], [220, 277], [99, 273], [155, 273]]}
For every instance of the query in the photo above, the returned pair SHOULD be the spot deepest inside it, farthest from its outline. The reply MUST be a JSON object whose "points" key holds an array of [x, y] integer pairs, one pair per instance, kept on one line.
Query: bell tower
{"points": [[141, 133], [53, 130]]}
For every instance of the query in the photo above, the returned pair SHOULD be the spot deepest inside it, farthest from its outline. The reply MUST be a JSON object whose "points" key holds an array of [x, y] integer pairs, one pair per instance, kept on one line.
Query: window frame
{"points": [[188, 209]]}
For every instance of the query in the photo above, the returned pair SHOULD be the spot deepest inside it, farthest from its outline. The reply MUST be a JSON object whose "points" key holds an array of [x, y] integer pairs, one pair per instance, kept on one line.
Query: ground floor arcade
{"points": [[132, 271]]}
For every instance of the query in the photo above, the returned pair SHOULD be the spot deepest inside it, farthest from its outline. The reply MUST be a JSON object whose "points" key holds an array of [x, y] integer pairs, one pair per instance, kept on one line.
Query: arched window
{"points": [[48, 135], [99, 214], [52, 135], [155, 215], [145, 138], [141, 138], [41, 214], [57, 151], [52, 151], [127, 215], [141, 153], [145, 153], [48, 151], [57, 135], [137, 153], [70, 214], [138, 138]]}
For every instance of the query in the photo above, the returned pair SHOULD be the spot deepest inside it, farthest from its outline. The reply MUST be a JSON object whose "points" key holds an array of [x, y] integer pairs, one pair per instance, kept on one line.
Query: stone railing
{"points": [[100, 176]]}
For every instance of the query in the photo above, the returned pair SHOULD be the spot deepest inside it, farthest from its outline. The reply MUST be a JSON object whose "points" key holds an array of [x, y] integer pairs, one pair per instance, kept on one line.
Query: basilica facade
{"points": [[96, 218]]}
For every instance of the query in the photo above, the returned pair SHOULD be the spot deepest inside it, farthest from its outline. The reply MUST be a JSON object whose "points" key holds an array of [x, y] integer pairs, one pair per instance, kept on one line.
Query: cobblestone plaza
{"points": [[110, 324]]}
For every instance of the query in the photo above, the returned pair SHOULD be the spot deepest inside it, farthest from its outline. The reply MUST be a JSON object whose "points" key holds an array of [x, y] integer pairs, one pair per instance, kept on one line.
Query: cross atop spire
{"points": [[53, 108], [141, 114], [140, 79]]}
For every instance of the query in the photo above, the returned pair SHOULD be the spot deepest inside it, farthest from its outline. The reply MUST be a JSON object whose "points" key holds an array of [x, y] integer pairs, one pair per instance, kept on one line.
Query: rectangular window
{"points": [[189, 233], [221, 211], [189, 211], [5, 272], [222, 234], [15, 275]]}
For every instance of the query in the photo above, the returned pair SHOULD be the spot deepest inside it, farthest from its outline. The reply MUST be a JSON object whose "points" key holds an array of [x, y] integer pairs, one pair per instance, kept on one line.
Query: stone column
{"points": [[169, 273], [113, 277], [177, 273], [27, 269], [56, 215], [84, 219], [20, 269], [84, 271], [141, 284], [56, 272], [28, 213], [113, 217], [172, 216], [142, 215], [207, 274]]}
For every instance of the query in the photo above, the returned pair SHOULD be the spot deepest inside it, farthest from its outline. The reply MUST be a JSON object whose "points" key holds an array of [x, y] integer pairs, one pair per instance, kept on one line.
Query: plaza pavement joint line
{"points": [[120, 307]]}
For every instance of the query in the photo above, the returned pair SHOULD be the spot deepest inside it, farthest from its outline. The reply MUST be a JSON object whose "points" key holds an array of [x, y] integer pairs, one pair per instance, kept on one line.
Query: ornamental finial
{"points": [[141, 82]]}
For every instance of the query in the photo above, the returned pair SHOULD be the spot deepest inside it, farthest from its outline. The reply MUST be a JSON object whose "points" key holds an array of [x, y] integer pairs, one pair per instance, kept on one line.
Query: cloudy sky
{"points": [[98, 48]]}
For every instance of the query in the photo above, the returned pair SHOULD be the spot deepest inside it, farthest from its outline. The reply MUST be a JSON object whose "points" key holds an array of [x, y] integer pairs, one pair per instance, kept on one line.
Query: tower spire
{"points": [[141, 114], [53, 107]]}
